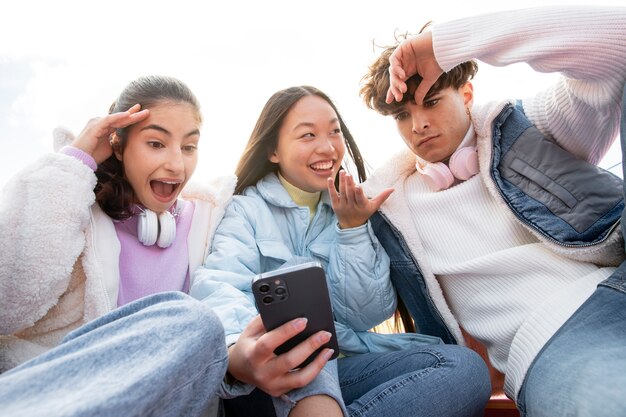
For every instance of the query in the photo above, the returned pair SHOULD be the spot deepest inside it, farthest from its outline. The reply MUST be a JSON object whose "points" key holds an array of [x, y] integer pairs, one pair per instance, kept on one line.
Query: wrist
{"points": [[81, 155]]}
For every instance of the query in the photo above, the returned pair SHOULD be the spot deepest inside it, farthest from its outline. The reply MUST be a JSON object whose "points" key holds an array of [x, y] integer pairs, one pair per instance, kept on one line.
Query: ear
{"points": [[468, 94], [273, 157], [115, 145]]}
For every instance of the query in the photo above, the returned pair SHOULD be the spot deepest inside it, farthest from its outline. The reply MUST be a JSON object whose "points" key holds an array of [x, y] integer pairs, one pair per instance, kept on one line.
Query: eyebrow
{"points": [[309, 124], [167, 132]]}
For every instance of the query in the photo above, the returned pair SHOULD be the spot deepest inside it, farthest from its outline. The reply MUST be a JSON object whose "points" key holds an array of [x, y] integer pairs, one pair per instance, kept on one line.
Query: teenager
{"points": [[288, 210], [510, 228], [97, 250]]}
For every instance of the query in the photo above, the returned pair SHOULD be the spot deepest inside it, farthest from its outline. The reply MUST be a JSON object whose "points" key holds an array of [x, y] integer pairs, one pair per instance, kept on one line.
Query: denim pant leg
{"points": [[436, 380], [162, 355], [326, 383], [581, 371]]}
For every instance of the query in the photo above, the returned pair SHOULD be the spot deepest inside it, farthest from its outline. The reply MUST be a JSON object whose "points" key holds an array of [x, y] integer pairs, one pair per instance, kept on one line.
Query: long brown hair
{"points": [[114, 193], [254, 163]]}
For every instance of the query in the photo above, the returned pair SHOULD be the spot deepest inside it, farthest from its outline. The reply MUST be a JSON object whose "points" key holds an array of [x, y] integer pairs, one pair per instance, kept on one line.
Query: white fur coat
{"points": [[59, 252]]}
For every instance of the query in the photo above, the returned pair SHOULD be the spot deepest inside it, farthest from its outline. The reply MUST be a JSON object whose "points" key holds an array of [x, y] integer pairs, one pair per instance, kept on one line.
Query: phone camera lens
{"points": [[264, 288], [268, 299], [280, 290]]}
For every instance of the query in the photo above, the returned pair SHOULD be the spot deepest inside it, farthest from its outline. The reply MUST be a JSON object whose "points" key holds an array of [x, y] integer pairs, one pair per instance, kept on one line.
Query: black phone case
{"points": [[299, 291]]}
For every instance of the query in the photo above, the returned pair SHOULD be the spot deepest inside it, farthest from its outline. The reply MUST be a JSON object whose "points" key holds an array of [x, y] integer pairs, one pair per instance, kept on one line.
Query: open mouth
{"points": [[164, 190], [322, 166]]}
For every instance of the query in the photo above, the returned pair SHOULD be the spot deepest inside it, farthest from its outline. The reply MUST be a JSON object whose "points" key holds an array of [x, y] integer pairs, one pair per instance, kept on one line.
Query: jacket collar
{"points": [[272, 191]]}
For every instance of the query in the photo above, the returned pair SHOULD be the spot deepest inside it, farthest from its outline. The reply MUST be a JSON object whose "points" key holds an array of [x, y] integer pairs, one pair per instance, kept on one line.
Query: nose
{"points": [[326, 145], [420, 122], [175, 163]]}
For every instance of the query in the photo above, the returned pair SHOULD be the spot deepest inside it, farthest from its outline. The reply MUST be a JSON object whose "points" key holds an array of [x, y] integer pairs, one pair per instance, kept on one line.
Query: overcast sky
{"points": [[63, 62]]}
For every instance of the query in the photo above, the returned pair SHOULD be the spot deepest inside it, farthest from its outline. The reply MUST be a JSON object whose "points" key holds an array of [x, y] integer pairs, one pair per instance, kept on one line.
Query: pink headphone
{"points": [[463, 165]]}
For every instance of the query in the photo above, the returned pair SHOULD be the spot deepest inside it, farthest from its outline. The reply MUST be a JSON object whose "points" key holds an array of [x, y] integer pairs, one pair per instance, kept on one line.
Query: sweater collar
{"points": [[273, 191]]}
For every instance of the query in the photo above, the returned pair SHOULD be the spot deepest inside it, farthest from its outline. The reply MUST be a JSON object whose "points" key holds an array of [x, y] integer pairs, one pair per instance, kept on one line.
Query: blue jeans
{"points": [[161, 355], [435, 380], [581, 371]]}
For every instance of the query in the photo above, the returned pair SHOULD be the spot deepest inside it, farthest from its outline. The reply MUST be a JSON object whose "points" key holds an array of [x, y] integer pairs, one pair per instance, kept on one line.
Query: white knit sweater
{"points": [[483, 268]]}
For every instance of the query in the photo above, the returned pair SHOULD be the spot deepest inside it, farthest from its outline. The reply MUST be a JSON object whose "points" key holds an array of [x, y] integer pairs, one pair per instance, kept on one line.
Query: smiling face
{"points": [[434, 130], [160, 154], [310, 144]]}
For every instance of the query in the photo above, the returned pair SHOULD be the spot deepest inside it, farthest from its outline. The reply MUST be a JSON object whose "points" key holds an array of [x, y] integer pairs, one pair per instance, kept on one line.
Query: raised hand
{"points": [[252, 359], [413, 56], [351, 205], [96, 135]]}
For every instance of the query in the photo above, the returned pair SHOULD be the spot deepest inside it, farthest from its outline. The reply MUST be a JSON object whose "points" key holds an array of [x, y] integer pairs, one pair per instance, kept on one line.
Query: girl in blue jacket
{"points": [[295, 203]]}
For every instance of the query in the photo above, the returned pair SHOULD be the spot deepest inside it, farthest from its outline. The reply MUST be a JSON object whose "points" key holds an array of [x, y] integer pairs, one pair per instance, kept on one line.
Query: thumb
{"points": [[422, 89], [380, 198]]}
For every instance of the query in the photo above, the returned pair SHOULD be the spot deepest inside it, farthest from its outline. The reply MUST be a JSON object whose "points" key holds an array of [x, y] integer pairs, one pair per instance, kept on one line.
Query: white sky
{"points": [[63, 62]]}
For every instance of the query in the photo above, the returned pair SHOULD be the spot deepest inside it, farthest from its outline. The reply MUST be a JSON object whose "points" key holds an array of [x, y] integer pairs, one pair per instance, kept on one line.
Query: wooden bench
{"points": [[499, 404]]}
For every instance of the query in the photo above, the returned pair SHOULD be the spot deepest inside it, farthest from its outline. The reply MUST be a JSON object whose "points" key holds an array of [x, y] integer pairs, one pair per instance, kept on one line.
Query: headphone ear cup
{"points": [[464, 163], [167, 232], [147, 227], [438, 176]]}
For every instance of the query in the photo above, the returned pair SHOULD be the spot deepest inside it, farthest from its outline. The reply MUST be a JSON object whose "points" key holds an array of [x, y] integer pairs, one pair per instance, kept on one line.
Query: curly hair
{"points": [[375, 83]]}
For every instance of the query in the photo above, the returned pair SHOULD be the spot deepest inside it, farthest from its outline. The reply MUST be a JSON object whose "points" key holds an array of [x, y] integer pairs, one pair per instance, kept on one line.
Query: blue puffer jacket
{"points": [[263, 229]]}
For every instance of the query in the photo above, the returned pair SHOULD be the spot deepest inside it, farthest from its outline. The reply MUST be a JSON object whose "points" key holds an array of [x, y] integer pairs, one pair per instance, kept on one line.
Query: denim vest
{"points": [[568, 201]]}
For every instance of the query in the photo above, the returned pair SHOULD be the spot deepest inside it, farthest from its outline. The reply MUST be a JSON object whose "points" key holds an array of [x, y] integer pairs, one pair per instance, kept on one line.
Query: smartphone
{"points": [[298, 291]]}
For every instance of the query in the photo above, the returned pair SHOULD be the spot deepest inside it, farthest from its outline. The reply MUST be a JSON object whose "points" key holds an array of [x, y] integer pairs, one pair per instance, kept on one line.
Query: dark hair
{"points": [[254, 163], [114, 193], [376, 82]]}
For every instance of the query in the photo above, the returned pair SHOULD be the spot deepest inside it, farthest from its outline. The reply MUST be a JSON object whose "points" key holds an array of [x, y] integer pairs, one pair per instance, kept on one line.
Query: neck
{"points": [[300, 197]]}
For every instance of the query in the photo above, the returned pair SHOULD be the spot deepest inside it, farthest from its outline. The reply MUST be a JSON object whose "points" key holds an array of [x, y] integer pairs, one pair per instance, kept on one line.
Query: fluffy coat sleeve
{"points": [[44, 211]]}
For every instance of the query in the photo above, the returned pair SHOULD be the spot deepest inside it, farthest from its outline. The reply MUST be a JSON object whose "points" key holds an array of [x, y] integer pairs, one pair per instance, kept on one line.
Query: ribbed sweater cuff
{"points": [[80, 155]]}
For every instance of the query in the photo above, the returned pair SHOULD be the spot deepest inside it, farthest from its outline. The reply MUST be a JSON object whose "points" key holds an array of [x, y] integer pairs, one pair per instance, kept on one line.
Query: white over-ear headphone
{"points": [[153, 229], [463, 164]]}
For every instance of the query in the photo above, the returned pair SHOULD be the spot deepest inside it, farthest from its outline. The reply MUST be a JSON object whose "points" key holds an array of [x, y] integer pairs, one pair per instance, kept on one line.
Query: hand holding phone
{"points": [[289, 293]]}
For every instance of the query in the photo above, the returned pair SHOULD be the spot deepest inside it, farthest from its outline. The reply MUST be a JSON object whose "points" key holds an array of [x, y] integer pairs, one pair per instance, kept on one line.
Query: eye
{"points": [[308, 135], [155, 144], [431, 102], [336, 131], [401, 115], [190, 148]]}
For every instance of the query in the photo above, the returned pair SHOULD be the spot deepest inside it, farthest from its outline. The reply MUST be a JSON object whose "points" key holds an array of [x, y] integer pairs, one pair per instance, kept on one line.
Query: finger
{"points": [[276, 337], [348, 185], [398, 89], [134, 109], [334, 196], [359, 196], [255, 328], [304, 376], [421, 91], [132, 118], [342, 184], [299, 353], [380, 198], [390, 96], [395, 65]]}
